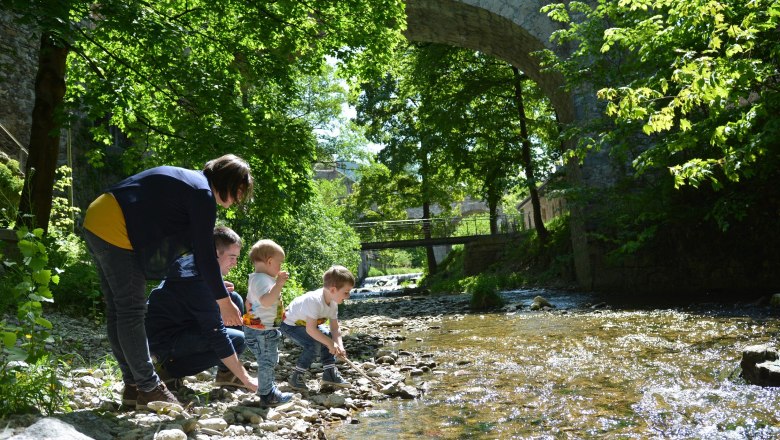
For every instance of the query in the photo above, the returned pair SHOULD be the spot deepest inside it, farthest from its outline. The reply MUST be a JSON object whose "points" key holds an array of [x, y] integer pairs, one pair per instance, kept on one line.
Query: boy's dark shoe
{"points": [[129, 394], [331, 376], [228, 379], [159, 393], [275, 398], [296, 381]]}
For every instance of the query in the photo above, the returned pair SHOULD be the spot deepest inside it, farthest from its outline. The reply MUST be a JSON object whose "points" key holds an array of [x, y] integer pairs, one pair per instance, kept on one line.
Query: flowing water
{"points": [[626, 372]]}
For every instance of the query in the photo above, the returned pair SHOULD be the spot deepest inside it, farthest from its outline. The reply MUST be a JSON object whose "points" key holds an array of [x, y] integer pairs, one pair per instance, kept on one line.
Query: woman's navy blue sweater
{"points": [[169, 212]]}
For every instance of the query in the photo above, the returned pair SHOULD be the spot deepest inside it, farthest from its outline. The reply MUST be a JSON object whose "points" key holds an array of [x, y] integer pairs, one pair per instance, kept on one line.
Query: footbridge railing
{"points": [[433, 231]]}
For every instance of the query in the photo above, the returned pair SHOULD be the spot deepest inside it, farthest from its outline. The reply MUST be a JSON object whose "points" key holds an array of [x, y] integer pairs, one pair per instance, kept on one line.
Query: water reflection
{"points": [[636, 372]]}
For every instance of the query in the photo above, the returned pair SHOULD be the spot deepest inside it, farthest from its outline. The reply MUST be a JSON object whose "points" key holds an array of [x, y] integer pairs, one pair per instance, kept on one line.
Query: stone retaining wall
{"points": [[18, 66], [481, 254]]}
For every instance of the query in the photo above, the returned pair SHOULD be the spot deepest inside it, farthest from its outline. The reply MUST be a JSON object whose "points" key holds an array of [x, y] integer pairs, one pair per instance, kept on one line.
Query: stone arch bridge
{"points": [[513, 30]]}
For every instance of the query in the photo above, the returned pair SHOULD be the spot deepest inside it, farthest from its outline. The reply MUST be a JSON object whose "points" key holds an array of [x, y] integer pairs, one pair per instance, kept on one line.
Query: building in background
{"points": [[550, 204]]}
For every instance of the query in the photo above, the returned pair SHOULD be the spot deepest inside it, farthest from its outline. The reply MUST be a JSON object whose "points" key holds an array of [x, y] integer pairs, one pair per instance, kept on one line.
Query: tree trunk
{"points": [[426, 205], [526, 160], [36, 200], [493, 200]]}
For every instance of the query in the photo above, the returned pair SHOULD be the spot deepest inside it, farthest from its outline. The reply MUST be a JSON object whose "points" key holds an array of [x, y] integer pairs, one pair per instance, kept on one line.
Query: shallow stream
{"points": [[624, 372]]}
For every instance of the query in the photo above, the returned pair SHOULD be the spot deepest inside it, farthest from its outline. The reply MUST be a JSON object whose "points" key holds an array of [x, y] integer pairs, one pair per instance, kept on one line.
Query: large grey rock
{"points": [[50, 428], [540, 303], [760, 365]]}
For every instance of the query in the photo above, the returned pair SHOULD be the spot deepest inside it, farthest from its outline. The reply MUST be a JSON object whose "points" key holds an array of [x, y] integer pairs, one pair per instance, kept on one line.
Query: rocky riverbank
{"points": [[372, 330]]}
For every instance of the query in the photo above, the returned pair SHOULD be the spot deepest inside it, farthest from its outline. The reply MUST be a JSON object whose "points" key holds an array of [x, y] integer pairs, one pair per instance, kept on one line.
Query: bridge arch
{"points": [[512, 30], [507, 29]]}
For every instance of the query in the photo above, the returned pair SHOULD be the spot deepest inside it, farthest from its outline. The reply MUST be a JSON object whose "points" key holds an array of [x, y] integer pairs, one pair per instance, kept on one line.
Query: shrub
{"points": [[375, 272], [403, 270], [31, 388], [79, 286], [484, 292], [27, 374], [11, 182]]}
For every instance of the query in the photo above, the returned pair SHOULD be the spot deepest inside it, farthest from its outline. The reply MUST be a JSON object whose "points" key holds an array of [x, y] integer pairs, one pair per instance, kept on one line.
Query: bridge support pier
{"points": [[362, 268]]}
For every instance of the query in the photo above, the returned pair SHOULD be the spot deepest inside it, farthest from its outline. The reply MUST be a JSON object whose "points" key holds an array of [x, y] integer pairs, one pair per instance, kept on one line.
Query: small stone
{"points": [[90, 382], [339, 412], [170, 434], [165, 407], [335, 400], [216, 423]]}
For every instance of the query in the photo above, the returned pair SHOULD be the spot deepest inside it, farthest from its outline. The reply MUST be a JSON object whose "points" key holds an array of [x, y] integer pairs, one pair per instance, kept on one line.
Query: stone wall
{"points": [[18, 66], [19, 46], [480, 254]]}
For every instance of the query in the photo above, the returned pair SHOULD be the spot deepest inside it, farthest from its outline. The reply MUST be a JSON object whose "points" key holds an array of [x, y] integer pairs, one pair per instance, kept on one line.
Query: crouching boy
{"points": [[303, 321]]}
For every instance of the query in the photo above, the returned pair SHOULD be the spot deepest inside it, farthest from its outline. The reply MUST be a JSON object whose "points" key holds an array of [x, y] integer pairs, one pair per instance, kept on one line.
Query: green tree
{"points": [[191, 79], [480, 105], [463, 114], [380, 195], [314, 237], [690, 87], [392, 111]]}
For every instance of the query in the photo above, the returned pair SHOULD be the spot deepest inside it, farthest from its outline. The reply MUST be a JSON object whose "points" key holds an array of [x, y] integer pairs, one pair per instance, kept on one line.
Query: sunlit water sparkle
{"points": [[578, 373]]}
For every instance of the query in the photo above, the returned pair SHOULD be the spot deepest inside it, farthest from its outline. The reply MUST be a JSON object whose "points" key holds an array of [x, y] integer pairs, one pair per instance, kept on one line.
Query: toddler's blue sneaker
{"points": [[275, 398]]}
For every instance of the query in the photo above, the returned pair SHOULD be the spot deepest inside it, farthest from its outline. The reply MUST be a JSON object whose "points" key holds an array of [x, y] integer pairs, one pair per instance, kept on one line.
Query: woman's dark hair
{"points": [[229, 176]]}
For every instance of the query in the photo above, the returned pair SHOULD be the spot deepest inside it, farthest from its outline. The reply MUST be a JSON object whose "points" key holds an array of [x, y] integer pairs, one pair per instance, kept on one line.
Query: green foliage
{"points": [[484, 292], [31, 388], [533, 262], [185, 81], [62, 220], [389, 259], [79, 286], [690, 86], [24, 338], [420, 169], [402, 270], [381, 194], [11, 182], [375, 272], [314, 238], [483, 107], [451, 120]]}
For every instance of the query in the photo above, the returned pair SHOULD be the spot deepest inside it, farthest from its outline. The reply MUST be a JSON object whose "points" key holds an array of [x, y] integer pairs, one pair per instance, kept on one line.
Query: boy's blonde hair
{"points": [[265, 249], [338, 276]]}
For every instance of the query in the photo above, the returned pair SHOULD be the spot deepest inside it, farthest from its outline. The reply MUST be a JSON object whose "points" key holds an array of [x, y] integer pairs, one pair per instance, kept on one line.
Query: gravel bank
{"points": [[372, 329]]}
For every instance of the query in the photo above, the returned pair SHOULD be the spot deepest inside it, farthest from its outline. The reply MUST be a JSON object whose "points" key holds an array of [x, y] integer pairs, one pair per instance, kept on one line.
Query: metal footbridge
{"points": [[433, 231]]}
